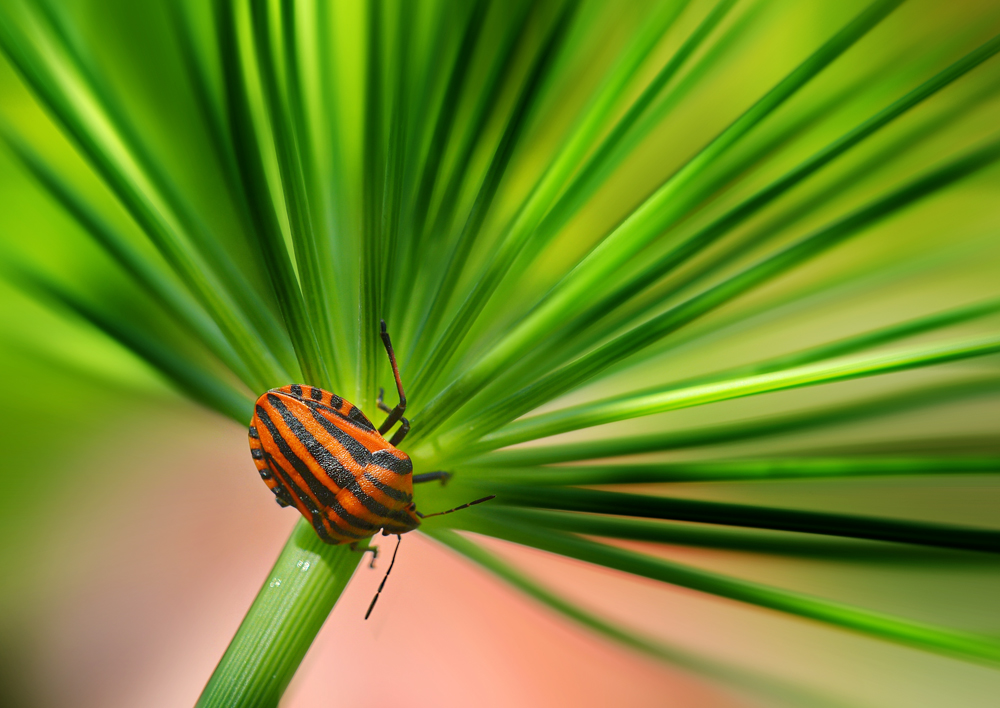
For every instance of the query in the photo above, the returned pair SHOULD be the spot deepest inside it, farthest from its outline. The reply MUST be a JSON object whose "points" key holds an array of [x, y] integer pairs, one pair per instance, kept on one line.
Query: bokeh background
{"points": [[134, 533]]}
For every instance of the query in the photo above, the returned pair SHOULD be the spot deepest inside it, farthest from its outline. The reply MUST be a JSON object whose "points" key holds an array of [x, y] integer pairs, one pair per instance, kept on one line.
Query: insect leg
{"points": [[381, 403], [396, 413], [368, 549], [431, 476], [404, 428]]}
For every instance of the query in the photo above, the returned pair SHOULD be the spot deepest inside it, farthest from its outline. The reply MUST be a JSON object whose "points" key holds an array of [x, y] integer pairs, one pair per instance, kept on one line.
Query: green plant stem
{"points": [[295, 600]]}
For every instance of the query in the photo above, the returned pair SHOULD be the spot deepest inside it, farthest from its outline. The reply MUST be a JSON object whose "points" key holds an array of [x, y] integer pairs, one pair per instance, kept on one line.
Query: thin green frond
{"points": [[585, 367], [672, 398], [768, 688], [195, 381], [642, 226], [963, 645], [861, 410], [724, 514]]}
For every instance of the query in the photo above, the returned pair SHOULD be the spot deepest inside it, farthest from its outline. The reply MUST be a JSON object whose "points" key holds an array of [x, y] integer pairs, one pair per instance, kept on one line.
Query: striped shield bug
{"points": [[320, 453]]}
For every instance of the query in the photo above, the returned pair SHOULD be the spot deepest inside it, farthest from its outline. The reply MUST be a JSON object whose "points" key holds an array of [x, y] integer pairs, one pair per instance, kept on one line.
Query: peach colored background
{"points": [[140, 617], [149, 612]]}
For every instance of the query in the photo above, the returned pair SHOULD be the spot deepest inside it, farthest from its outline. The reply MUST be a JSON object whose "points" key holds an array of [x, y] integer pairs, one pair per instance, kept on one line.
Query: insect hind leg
{"points": [[367, 549], [386, 577]]}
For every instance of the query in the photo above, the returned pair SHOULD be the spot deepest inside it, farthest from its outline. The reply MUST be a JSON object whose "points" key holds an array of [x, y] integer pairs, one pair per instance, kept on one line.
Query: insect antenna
{"points": [[458, 508], [382, 584], [395, 414]]}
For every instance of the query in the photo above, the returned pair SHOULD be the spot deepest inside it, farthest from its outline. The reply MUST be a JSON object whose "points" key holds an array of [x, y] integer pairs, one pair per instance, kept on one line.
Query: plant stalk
{"points": [[295, 600]]}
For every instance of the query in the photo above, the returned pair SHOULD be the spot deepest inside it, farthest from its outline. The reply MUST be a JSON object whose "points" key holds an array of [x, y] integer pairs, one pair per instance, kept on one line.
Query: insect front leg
{"points": [[404, 424], [404, 428]]}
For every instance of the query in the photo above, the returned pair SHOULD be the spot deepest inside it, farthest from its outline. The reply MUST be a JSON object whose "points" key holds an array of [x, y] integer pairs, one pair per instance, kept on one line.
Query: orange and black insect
{"points": [[319, 452]]}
